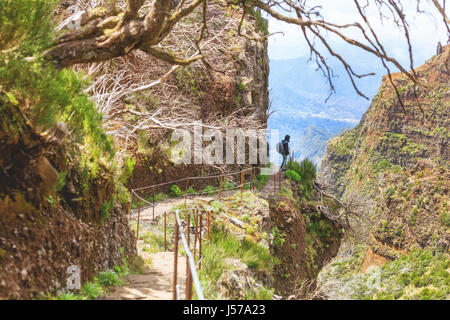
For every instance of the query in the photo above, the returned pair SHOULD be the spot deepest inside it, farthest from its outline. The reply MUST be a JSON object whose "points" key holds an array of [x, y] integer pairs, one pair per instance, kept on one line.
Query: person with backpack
{"points": [[439, 48], [283, 148]]}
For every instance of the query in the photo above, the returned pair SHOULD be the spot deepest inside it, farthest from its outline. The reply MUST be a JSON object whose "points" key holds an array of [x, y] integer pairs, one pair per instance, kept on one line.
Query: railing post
{"points": [[279, 180], [200, 241], [154, 203], [138, 221], [165, 231], [185, 193], [220, 186], [175, 261], [242, 182], [188, 269], [195, 230], [207, 224]]}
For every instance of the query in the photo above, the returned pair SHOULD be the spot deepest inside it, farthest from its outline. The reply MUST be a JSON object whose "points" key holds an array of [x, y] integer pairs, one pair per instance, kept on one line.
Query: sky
{"points": [[426, 32]]}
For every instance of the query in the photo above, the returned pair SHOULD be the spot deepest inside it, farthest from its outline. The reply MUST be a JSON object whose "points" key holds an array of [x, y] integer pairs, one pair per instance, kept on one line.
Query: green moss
{"points": [[292, 175]]}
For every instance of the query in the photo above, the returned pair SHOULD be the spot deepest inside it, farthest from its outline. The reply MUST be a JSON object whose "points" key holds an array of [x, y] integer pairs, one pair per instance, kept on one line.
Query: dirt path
{"points": [[272, 185], [155, 283], [167, 205]]}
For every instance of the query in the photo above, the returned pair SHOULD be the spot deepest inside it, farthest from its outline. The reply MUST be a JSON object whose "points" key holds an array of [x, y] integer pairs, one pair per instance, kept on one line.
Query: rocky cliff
{"points": [[232, 92], [395, 163]]}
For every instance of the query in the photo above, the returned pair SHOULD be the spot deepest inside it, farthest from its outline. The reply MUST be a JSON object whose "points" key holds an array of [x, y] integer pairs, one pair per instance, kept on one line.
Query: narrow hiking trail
{"points": [[155, 282], [272, 185]]}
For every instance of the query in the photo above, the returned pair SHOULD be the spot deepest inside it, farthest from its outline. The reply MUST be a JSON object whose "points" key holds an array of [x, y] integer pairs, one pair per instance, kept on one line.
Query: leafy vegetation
{"points": [[224, 245], [263, 24], [262, 180], [278, 239], [209, 189], [46, 96], [293, 175], [176, 191], [228, 185], [423, 275], [99, 286], [306, 173]]}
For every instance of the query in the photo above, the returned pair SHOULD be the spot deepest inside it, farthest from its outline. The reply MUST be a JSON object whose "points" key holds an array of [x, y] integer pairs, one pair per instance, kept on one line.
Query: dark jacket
{"points": [[285, 147]]}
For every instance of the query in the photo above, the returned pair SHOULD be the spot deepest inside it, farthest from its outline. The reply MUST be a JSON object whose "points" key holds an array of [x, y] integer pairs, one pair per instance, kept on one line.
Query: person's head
{"points": [[287, 137]]}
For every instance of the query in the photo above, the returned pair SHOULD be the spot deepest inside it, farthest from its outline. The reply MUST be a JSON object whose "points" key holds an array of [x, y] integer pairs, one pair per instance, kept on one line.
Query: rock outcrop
{"points": [[395, 162], [234, 94]]}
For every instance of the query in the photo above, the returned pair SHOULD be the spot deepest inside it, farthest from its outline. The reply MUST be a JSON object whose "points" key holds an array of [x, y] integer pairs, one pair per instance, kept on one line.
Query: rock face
{"points": [[396, 162], [303, 241], [36, 251], [238, 97], [236, 282], [47, 227]]}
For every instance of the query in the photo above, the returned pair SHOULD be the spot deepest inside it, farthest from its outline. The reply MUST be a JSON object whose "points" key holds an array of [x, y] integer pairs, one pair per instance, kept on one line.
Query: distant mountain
{"points": [[298, 93]]}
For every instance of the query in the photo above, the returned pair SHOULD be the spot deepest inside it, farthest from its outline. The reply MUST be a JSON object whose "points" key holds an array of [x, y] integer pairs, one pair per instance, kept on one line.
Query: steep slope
{"points": [[232, 93], [60, 205], [396, 162]]}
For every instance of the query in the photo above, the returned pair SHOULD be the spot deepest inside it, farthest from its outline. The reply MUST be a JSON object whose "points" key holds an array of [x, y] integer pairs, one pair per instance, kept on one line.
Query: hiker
{"points": [[284, 150], [439, 48]]}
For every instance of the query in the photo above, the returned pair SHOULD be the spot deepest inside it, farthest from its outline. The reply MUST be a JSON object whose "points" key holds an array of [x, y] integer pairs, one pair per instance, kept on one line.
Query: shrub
{"points": [[292, 175], [106, 208], [217, 206], [109, 278], [176, 191], [127, 170], [209, 189], [228, 185], [51, 95], [191, 190], [307, 173], [25, 25], [263, 24], [91, 290]]}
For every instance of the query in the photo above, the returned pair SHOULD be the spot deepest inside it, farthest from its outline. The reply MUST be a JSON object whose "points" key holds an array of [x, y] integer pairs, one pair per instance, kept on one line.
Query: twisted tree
{"points": [[116, 29]]}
